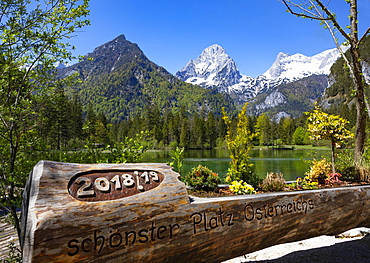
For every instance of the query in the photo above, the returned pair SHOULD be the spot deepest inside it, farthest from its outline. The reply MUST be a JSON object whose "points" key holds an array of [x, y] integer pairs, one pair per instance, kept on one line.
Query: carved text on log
{"points": [[111, 185], [111, 239]]}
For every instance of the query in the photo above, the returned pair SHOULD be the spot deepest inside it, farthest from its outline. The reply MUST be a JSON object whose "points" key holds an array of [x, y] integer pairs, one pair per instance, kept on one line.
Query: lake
{"points": [[289, 162]]}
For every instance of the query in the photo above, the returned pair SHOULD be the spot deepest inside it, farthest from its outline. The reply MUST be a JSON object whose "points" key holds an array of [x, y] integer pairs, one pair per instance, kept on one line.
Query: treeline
{"points": [[197, 130], [63, 124]]}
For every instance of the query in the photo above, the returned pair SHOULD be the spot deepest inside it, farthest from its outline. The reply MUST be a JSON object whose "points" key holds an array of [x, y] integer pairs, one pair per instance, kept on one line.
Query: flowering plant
{"points": [[202, 178], [333, 178], [241, 188], [319, 170], [304, 183]]}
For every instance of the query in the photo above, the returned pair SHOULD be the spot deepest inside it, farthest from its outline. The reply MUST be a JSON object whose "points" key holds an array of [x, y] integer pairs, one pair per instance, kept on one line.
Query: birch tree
{"points": [[319, 10]]}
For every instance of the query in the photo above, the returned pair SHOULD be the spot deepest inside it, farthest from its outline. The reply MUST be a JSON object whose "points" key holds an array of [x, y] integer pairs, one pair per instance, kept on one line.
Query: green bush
{"points": [[202, 178], [354, 171]]}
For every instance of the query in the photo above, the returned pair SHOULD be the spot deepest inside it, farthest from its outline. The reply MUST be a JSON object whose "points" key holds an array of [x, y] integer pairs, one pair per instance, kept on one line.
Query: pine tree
{"points": [[211, 130], [264, 127], [75, 119]]}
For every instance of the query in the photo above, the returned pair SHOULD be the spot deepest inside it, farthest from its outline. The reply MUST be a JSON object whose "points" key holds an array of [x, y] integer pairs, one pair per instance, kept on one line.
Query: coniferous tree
{"points": [[89, 125], [211, 130], [239, 142], [60, 118], [197, 131], [264, 127], [184, 134], [75, 119], [286, 130]]}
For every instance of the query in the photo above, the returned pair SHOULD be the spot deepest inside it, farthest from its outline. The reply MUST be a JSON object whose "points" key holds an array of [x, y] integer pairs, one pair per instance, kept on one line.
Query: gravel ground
{"points": [[352, 246]]}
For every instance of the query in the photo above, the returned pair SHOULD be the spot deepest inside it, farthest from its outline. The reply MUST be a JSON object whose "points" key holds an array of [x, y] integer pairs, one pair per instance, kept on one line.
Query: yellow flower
{"points": [[241, 187]]}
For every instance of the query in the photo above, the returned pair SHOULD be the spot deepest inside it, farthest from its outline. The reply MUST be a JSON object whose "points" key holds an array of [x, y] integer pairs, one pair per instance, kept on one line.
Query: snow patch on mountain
{"points": [[366, 71], [298, 66]]}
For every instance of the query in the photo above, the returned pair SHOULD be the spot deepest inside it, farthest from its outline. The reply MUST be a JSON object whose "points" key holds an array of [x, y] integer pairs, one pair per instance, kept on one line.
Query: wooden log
{"points": [[143, 213]]}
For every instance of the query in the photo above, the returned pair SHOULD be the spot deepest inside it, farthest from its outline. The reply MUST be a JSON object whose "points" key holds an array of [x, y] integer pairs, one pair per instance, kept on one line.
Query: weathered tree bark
{"points": [[360, 134], [142, 213], [358, 82]]}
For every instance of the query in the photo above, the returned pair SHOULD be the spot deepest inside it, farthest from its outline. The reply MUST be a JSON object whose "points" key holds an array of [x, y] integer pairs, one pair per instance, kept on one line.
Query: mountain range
{"points": [[117, 79], [215, 68]]}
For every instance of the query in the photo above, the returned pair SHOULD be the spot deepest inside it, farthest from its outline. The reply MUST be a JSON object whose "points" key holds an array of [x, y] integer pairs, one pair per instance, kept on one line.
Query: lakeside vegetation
{"points": [[95, 139]]}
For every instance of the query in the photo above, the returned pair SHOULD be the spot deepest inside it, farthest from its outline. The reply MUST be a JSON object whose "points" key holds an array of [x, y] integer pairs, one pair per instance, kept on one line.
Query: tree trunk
{"points": [[333, 157], [361, 108], [358, 85], [17, 224]]}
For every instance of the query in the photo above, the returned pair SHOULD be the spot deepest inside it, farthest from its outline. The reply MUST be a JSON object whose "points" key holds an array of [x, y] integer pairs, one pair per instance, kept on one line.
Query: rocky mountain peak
{"points": [[213, 67], [114, 55], [213, 52], [115, 48]]}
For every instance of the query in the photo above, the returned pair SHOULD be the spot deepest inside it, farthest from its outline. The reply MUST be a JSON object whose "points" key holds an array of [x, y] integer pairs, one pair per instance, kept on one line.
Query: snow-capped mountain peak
{"points": [[297, 66], [212, 58], [213, 67]]}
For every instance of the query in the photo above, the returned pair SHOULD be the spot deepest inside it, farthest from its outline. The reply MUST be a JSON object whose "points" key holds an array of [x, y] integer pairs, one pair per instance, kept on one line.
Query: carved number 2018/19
{"points": [[104, 185]]}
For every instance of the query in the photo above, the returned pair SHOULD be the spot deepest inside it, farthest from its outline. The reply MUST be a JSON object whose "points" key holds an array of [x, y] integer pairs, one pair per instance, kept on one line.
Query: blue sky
{"points": [[171, 32]]}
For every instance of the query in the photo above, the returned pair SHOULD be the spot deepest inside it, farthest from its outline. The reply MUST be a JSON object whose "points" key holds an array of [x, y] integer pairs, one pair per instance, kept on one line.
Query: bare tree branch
{"points": [[330, 16], [365, 35]]}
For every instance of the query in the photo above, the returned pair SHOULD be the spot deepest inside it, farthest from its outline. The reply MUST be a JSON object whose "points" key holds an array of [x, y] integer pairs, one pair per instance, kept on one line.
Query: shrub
{"points": [[359, 171], [319, 170], [202, 178], [273, 182], [241, 188], [178, 158], [239, 142]]}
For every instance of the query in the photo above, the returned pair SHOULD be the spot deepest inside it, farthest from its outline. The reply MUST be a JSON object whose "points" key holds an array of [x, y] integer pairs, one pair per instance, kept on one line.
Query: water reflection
{"points": [[288, 162]]}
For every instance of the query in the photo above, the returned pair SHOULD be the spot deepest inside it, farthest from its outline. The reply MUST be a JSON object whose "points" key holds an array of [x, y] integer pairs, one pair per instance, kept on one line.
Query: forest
{"points": [[63, 125]]}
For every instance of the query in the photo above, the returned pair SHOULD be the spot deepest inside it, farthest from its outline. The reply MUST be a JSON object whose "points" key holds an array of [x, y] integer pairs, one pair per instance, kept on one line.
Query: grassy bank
{"points": [[295, 147]]}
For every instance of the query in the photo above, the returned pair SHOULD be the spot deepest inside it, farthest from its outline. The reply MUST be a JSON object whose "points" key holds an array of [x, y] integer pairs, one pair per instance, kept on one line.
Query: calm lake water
{"points": [[289, 162]]}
